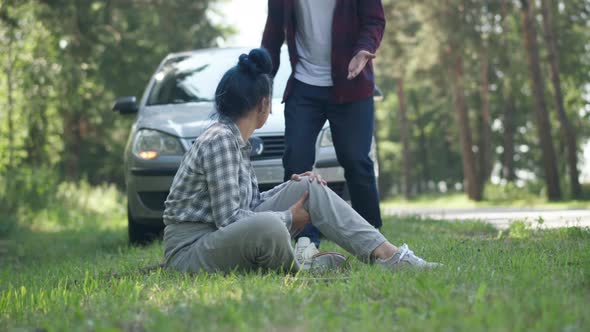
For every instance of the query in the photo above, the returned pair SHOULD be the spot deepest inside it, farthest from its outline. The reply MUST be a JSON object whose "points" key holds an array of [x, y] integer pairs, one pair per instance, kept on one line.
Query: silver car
{"points": [[176, 107]]}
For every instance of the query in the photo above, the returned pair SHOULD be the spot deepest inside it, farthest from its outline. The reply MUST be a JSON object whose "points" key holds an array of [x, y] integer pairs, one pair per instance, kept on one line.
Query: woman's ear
{"points": [[264, 103]]}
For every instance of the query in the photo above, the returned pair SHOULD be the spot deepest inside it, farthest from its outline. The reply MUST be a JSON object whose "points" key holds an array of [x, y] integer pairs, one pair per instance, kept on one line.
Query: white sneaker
{"points": [[404, 257], [304, 252]]}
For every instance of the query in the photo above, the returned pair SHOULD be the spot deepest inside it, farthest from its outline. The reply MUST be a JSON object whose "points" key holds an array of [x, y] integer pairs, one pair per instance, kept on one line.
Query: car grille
{"points": [[274, 147]]}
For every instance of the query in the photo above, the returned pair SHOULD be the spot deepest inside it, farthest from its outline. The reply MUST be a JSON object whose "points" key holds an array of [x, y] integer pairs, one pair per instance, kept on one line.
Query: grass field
{"points": [[68, 267]]}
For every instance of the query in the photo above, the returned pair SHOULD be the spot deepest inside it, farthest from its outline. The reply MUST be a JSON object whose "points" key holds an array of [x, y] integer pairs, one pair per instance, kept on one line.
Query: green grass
{"points": [[68, 267]]}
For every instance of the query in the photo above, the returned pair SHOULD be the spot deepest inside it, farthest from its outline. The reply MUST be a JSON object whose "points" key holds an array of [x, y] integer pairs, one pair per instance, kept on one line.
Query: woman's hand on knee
{"points": [[312, 176], [300, 215]]}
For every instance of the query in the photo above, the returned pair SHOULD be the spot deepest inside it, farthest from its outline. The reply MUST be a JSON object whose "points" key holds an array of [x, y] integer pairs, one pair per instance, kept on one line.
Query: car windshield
{"points": [[194, 78]]}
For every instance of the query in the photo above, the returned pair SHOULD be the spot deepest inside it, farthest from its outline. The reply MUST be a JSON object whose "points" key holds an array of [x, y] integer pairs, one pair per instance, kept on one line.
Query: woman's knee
{"points": [[301, 186]]}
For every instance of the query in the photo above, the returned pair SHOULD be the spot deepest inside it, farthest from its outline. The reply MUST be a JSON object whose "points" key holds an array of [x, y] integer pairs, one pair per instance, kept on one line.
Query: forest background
{"points": [[490, 98]]}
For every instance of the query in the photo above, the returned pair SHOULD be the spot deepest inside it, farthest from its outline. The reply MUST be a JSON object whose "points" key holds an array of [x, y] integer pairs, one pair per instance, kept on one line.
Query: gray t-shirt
{"points": [[313, 38]]}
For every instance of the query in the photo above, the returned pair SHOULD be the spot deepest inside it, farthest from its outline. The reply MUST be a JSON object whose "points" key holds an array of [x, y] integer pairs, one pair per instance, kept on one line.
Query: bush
{"points": [[24, 189], [30, 188], [36, 194]]}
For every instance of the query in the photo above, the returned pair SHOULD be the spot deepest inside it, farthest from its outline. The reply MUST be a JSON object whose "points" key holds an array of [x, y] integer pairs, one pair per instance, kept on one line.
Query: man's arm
{"points": [[274, 33], [372, 20]]}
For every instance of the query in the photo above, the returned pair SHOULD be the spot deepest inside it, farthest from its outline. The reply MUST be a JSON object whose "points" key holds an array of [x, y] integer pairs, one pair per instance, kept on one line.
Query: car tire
{"points": [[140, 234]]}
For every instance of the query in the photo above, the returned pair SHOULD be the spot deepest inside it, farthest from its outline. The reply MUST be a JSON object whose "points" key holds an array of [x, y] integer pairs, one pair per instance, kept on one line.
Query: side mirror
{"points": [[377, 94], [126, 105]]}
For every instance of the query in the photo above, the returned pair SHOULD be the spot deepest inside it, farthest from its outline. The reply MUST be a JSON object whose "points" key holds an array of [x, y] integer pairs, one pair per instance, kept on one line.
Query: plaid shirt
{"points": [[357, 25], [216, 183]]}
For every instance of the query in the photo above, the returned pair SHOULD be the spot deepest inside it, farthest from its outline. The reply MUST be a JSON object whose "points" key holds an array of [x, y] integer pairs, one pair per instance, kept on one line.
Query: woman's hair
{"points": [[244, 85]]}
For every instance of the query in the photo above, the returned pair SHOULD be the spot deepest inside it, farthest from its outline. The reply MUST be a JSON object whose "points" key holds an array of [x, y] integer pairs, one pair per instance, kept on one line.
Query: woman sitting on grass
{"points": [[216, 219]]}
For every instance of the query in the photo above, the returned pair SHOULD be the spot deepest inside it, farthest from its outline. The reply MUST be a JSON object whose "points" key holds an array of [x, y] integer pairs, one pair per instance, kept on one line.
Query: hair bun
{"points": [[256, 63]]}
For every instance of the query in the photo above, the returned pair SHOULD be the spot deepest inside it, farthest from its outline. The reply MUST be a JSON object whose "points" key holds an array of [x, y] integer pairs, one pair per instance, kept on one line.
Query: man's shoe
{"points": [[304, 251], [403, 258]]}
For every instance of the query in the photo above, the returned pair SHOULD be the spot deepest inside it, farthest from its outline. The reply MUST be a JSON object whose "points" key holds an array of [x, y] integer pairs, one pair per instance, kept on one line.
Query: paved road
{"points": [[501, 217]]}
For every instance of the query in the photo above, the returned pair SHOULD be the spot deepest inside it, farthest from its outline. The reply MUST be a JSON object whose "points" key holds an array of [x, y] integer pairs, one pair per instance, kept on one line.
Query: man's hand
{"points": [[300, 215], [358, 63], [312, 176]]}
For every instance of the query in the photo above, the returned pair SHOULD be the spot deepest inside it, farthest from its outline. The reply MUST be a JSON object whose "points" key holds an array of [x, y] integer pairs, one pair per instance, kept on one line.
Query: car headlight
{"points": [[326, 138], [151, 144]]}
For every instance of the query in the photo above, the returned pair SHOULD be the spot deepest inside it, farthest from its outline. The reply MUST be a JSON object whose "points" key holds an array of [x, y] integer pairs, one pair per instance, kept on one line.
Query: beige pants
{"points": [[263, 241]]}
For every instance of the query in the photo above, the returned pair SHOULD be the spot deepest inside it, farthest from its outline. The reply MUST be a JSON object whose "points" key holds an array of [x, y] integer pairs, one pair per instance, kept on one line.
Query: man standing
{"points": [[331, 44]]}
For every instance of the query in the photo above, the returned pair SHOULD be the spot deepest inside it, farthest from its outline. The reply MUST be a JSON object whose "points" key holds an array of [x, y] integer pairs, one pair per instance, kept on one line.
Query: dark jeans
{"points": [[306, 112]]}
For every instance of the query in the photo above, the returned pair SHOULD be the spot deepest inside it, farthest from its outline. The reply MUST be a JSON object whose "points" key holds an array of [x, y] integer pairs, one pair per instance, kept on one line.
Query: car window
{"points": [[194, 78]]}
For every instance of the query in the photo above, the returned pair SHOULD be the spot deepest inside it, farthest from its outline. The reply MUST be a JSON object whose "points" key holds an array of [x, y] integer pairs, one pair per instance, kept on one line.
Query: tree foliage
{"points": [[63, 64], [458, 68], [464, 64]]}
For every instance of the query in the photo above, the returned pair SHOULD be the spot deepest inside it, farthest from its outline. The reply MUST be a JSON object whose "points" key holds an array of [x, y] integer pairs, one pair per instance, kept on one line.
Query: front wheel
{"points": [[141, 234]]}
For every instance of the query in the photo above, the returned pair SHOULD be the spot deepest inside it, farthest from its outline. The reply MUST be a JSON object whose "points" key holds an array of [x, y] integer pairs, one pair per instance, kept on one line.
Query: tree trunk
{"points": [[36, 139], [536, 81], [71, 125], [424, 162], [72, 147], [404, 134], [567, 130], [508, 170], [10, 98], [484, 123], [468, 157], [508, 121]]}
